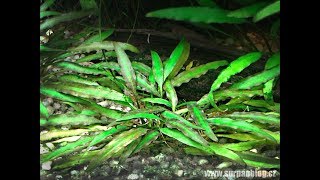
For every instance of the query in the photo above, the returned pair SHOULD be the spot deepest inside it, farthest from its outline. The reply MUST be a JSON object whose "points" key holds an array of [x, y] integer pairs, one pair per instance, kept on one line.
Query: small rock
{"points": [[58, 112], [164, 165], [58, 177], [50, 100], [113, 163], [179, 173], [202, 162], [50, 110], [133, 176], [50, 145], [159, 157], [254, 150], [56, 105], [46, 165], [43, 149], [74, 172], [224, 165]]}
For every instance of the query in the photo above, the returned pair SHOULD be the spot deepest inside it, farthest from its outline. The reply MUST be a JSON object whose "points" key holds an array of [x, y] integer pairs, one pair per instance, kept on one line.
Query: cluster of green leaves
{"points": [[142, 88], [150, 94], [208, 11]]}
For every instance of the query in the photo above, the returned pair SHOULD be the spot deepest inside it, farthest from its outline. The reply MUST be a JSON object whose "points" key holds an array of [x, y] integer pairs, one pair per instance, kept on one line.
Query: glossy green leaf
{"points": [[143, 82], [96, 56], [43, 122], [222, 151], [241, 136], [264, 104], [64, 18], [81, 69], [55, 134], [201, 120], [273, 61], [187, 132], [77, 79], [60, 96], [129, 150], [267, 91], [105, 45], [235, 67], [227, 93], [257, 79], [75, 160], [256, 160], [100, 137], [43, 110], [256, 116], [88, 91], [180, 137], [126, 68], [240, 125], [176, 60], [171, 94], [196, 152], [72, 119], [196, 14], [248, 11], [69, 148], [157, 101], [196, 72], [48, 49], [172, 115], [46, 4], [117, 144], [110, 113], [146, 140], [157, 69], [244, 146], [269, 10], [48, 13], [130, 116], [140, 67]]}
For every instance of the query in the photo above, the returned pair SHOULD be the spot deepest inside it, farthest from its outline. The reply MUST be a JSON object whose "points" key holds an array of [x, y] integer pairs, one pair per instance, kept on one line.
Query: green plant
{"points": [[141, 88], [209, 12], [243, 112]]}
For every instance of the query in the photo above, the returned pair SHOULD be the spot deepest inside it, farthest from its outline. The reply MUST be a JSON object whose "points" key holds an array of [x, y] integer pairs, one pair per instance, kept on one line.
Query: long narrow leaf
{"points": [[267, 11], [196, 14], [240, 125], [171, 94], [146, 140], [187, 132], [172, 115], [201, 120], [157, 69], [176, 60], [126, 68], [257, 79], [117, 144], [196, 72]]}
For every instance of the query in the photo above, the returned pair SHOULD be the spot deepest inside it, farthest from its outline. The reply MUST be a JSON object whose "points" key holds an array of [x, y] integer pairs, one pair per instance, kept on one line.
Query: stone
{"points": [[202, 162], [133, 176], [179, 173], [46, 165], [74, 172]]}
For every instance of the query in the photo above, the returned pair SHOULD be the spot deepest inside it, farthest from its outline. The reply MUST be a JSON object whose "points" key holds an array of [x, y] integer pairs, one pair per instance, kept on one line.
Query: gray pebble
{"points": [[202, 162]]}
